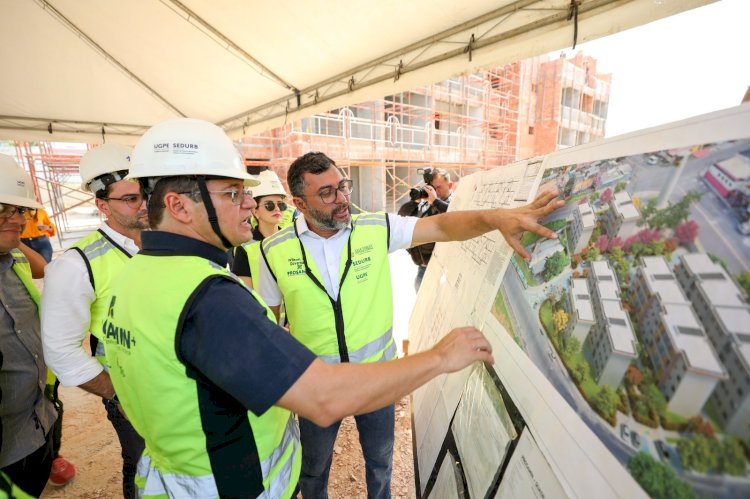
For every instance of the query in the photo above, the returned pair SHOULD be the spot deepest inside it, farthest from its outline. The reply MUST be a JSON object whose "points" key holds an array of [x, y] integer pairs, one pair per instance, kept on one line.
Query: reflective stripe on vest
{"points": [[289, 444], [357, 325], [97, 248], [380, 344], [151, 482]]}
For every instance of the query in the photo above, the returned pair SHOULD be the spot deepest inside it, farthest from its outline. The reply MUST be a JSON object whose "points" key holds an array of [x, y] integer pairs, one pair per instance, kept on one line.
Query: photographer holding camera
{"points": [[432, 199]]}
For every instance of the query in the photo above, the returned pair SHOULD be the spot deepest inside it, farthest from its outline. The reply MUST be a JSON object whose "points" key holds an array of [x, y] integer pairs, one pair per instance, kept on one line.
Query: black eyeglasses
{"points": [[328, 194], [8, 210], [133, 201], [270, 205]]}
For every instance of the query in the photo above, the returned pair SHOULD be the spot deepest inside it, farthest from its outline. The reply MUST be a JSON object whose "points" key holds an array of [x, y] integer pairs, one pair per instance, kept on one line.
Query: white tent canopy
{"points": [[78, 70]]}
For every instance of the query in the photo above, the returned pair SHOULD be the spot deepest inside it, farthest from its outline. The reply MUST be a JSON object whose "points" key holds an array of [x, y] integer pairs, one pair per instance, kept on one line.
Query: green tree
{"points": [[658, 247], [555, 265], [654, 398], [594, 196], [593, 254], [648, 210], [671, 216], [572, 346], [698, 453], [658, 480], [732, 459], [743, 279], [606, 400], [620, 263], [582, 371], [637, 249], [620, 186], [641, 408]]}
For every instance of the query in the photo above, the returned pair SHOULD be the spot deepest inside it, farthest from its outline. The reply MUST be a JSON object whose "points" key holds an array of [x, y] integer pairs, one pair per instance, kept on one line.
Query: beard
{"points": [[326, 221], [139, 221]]}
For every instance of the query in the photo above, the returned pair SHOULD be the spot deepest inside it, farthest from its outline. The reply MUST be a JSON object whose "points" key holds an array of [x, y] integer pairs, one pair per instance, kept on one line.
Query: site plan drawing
{"points": [[627, 335]]}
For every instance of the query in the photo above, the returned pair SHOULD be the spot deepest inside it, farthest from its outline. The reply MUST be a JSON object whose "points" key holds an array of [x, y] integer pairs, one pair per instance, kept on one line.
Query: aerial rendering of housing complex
{"points": [[650, 321]]}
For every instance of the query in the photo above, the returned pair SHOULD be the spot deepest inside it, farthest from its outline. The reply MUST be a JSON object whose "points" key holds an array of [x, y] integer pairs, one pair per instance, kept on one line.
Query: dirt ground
{"points": [[90, 442]]}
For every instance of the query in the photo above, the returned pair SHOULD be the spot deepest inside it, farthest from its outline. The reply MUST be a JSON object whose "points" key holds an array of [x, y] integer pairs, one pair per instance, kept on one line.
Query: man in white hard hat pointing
{"points": [[78, 284], [203, 372]]}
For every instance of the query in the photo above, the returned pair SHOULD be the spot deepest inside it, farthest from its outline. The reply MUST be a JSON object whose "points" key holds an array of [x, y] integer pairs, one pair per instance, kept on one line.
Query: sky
{"points": [[685, 65]]}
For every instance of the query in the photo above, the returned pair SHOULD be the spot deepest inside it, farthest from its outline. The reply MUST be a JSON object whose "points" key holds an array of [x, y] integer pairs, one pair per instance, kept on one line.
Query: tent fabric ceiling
{"points": [[82, 70]]}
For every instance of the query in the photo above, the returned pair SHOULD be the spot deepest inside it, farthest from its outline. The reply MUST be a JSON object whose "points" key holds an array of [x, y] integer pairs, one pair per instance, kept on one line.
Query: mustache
{"points": [[341, 208]]}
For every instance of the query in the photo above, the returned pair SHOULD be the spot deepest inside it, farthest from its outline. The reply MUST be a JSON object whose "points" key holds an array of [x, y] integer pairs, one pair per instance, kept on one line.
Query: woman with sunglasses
{"points": [[39, 228], [269, 217]]}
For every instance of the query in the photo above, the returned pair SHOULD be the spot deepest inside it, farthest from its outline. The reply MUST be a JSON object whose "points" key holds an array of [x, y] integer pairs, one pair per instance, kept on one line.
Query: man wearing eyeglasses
{"points": [[27, 416], [77, 289], [331, 270]]}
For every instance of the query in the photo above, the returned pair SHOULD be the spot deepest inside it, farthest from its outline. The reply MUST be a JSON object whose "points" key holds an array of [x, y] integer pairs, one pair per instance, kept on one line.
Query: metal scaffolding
{"points": [[462, 124], [55, 174]]}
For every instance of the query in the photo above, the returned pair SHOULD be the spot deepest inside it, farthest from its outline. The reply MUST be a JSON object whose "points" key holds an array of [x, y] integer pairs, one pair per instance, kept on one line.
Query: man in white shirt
{"points": [[77, 290], [331, 270]]}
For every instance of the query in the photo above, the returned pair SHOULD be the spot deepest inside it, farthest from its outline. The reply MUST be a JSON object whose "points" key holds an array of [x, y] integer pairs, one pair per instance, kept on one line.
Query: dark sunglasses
{"points": [[270, 205]]}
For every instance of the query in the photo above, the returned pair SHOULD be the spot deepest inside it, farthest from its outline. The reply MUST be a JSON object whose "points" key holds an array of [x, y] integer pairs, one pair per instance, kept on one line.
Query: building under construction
{"points": [[479, 121], [463, 124]]}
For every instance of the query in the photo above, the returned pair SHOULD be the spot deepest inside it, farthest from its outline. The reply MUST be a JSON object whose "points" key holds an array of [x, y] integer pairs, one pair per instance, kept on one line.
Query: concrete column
{"points": [[369, 189]]}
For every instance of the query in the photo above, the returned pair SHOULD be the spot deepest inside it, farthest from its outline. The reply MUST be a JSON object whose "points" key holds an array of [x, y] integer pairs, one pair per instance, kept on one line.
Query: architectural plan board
{"points": [[528, 474], [482, 452], [464, 279], [621, 196], [446, 485]]}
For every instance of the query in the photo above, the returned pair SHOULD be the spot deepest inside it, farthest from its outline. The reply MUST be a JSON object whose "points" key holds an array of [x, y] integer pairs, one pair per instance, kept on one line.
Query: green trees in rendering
{"points": [[657, 479], [671, 216], [555, 264]]}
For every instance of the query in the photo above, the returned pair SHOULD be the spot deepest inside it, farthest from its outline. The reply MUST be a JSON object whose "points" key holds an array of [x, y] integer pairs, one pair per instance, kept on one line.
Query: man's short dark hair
{"points": [[312, 162], [108, 179], [156, 206], [441, 172]]}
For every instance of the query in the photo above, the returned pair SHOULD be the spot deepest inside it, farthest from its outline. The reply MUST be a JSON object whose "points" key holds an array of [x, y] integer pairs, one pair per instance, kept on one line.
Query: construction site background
{"points": [[464, 124]]}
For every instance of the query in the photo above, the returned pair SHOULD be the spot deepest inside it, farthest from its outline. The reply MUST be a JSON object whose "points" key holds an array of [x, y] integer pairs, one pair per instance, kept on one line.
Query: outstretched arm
{"points": [[326, 393], [512, 223]]}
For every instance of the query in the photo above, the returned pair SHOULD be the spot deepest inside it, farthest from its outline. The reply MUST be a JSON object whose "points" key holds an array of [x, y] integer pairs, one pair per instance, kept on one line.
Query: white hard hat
{"points": [[187, 146], [16, 186], [269, 185], [113, 159]]}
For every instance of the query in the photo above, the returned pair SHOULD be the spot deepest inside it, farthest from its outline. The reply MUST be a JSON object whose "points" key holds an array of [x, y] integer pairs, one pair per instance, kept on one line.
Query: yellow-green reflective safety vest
{"points": [[287, 218], [164, 403], [104, 259], [252, 249], [9, 490], [358, 325], [23, 270]]}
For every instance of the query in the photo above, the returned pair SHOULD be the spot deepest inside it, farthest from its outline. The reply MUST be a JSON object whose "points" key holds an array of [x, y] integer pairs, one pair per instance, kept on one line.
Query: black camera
{"points": [[417, 193]]}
